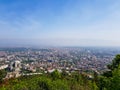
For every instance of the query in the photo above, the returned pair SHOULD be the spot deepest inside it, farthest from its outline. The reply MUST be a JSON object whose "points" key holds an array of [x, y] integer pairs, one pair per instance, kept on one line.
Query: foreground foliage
{"points": [[54, 81], [110, 80]]}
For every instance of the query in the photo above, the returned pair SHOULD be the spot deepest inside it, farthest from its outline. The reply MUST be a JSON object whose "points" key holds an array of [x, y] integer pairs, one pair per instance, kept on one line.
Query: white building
{"points": [[15, 66], [3, 67]]}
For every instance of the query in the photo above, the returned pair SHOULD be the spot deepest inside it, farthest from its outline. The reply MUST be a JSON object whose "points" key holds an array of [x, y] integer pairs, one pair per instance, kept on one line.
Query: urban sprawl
{"points": [[27, 61]]}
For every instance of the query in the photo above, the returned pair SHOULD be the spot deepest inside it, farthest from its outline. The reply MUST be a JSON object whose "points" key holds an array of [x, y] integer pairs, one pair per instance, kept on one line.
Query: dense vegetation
{"points": [[109, 80], [53, 81]]}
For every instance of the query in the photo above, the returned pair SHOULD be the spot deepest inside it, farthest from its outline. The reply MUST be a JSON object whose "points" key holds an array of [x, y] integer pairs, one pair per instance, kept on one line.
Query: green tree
{"points": [[111, 79], [56, 75], [44, 85], [2, 75], [115, 82], [115, 62]]}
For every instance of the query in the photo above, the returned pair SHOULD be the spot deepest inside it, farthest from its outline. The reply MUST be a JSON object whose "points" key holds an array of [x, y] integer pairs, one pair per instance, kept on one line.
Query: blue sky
{"points": [[60, 22]]}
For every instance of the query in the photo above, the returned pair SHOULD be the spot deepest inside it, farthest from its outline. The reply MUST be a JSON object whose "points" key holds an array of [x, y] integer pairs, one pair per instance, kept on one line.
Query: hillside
{"points": [[54, 81]]}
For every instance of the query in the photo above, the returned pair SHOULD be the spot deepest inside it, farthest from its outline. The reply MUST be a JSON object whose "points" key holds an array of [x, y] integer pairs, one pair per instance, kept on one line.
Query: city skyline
{"points": [[59, 22]]}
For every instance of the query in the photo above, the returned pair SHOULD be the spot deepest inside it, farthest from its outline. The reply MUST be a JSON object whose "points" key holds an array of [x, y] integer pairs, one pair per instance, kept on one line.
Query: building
{"points": [[3, 67], [15, 66]]}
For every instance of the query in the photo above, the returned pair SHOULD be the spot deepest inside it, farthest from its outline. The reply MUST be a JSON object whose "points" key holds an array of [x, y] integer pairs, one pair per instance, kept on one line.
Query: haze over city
{"points": [[59, 22], [59, 45]]}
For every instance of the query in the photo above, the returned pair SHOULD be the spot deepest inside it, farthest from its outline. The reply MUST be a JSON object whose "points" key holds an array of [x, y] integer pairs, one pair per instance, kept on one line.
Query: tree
{"points": [[64, 74], [115, 63], [111, 79], [56, 75], [115, 82], [2, 75]]}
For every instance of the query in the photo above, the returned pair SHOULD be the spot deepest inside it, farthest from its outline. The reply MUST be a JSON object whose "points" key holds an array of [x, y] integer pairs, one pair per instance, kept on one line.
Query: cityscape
{"points": [[28, 61], [59, 45]]}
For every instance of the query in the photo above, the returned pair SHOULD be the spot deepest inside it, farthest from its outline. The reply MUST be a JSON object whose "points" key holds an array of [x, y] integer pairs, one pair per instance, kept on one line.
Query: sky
{"points": [[59, 22]]}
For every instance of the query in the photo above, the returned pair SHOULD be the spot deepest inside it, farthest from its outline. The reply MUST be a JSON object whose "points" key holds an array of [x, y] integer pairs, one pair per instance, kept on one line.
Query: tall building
{"points": [[15, 66]]}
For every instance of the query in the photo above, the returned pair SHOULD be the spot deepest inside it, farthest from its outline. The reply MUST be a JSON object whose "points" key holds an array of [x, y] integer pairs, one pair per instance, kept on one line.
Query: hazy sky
{"points": [[60, 22]]}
